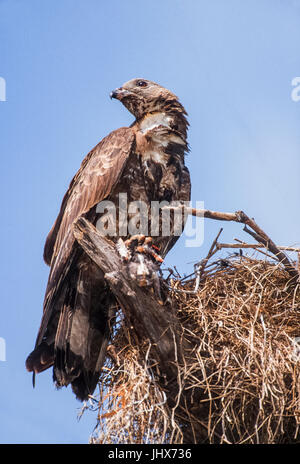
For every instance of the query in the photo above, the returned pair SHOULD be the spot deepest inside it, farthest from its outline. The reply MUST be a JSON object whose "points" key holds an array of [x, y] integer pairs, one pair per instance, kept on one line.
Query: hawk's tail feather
{"points": [[41, 358], [77, 335], [83, 333]]}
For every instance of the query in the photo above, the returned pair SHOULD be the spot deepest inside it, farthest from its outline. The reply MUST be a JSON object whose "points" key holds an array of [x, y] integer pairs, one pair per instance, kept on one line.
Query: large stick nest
{"points": [[239, 382]]}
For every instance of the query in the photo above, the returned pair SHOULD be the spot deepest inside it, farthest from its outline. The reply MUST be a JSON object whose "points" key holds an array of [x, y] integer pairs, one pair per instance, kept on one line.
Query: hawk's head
{"points": [[141, 96]]}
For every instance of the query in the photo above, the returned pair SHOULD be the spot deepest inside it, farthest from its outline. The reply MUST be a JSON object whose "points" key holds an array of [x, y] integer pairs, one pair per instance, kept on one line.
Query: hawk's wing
{"points": [[99, 172], [97, 176]]}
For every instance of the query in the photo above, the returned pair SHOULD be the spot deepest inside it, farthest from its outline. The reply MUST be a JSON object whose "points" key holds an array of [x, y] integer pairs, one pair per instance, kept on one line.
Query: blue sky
{"points": [[231, 62]]}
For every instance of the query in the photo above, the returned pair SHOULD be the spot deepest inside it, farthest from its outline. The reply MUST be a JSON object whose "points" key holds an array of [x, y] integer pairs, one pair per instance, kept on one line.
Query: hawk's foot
{"points": [[143, 261], [143, 244]]}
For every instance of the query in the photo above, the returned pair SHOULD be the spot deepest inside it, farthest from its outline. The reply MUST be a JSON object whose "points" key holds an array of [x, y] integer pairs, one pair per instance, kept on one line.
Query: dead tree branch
{"points": [[257, 233], [157, 321]]}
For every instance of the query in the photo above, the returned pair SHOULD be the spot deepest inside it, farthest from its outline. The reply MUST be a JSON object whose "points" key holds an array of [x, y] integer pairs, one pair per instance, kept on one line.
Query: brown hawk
{"points": [[146, 162]]}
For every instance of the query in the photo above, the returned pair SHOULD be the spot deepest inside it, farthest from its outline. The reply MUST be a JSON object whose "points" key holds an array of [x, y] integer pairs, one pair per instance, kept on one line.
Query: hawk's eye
{"points": [[141, 84]]}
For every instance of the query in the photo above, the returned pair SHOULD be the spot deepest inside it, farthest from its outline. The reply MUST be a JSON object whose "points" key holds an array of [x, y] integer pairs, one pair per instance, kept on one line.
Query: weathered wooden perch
{"points": [[155, 320]]}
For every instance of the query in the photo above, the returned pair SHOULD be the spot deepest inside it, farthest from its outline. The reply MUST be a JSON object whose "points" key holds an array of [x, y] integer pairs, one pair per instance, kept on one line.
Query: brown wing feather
{"points": [[98, 173], [97, 176], [50, 240]]}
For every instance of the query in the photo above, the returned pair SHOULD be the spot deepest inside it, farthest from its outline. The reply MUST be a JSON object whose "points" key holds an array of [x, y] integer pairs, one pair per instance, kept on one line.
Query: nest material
{"points": [[239, 382]]}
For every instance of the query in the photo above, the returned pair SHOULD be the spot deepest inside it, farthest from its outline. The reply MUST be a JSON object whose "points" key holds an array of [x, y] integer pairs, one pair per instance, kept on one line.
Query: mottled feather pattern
{"points": [[98, 173]]}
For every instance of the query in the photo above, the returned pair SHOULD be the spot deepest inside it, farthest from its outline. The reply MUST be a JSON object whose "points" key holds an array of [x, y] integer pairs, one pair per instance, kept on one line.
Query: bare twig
{"points": [[256, 232], [213, 249], [253, 245]]}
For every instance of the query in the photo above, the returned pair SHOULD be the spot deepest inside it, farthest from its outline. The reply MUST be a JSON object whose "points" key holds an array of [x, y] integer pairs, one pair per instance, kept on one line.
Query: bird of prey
{"points": [[144, 161]]}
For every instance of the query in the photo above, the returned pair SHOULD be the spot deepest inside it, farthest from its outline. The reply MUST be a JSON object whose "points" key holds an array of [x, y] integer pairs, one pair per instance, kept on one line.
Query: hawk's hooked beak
{"points": [[119, 93]]}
